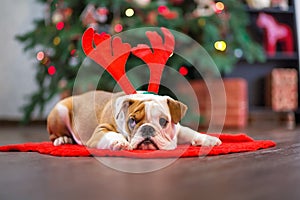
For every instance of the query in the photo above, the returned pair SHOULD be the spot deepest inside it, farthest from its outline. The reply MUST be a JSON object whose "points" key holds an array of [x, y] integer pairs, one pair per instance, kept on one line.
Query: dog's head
{"points": [[149, 121]]}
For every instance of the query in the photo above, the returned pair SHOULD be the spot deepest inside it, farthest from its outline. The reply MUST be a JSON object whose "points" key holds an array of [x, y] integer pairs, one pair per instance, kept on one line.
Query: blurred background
{"points": [[41, 51], [17, 68]]}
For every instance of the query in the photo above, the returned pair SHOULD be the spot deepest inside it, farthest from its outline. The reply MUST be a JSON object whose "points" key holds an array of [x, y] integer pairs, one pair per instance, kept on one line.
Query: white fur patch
{"points": [[64, 115], [62, 140], [187, 135], [206, 140], [113, 141]]}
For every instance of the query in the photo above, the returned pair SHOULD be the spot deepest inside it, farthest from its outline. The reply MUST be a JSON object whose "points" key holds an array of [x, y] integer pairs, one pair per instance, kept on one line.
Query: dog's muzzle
{"points": [[147, 133]]}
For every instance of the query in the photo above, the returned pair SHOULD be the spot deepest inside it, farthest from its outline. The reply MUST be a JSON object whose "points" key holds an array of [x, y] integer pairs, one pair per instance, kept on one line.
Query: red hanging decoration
{"points": [[109, 53], [112, 55], [157, 57]]}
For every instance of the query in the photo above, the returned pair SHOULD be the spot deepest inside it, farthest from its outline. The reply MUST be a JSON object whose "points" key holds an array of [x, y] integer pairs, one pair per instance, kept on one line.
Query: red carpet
{"points": [[232, 143]]}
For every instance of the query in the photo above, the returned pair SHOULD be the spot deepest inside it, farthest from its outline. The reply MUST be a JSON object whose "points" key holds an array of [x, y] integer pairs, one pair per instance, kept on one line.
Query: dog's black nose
{"points": [[147, 131]]}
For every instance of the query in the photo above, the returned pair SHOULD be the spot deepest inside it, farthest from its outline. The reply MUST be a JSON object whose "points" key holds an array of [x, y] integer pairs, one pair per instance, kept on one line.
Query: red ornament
{"points": [[162, 9], [60, 26], [72, 52], [275, 32], [166, 12], [118, 28], [183, 71], [51, 70]]}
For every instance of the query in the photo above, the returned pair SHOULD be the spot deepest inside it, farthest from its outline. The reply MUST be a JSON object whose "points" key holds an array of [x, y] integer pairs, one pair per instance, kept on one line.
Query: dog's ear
{"points": [[122, 107], [177, 110]]}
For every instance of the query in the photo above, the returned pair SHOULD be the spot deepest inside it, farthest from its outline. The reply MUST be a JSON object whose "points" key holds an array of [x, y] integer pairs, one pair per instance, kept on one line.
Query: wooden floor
{"points": [[266, 174]]}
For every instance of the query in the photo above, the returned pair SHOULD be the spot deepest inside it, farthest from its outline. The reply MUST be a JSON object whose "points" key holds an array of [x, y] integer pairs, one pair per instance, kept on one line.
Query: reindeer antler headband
{"points": [[112, 55]]}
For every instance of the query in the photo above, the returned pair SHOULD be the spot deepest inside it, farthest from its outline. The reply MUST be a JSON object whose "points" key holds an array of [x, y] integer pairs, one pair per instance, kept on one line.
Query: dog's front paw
{"points": [[206, 140], [114, 141], [120, 145], [62, 140]]}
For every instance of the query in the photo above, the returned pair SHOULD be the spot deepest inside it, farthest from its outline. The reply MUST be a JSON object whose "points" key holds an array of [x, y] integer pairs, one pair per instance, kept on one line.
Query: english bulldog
{"points": [[116, 121]]}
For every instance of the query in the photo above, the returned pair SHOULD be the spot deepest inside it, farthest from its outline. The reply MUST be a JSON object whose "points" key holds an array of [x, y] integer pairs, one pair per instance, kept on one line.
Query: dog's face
{"points": [[149, 121]]}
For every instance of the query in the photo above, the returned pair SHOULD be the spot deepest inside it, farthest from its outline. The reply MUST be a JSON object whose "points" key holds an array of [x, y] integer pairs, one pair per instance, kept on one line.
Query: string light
{"points": [[162, 9], [118, 28], [201, 22], [40, 56], [183, 71], [51, 70], [219, 6], [220, 45], [56, 41], [129, 12], [238, 53], [60, 26], [72, 52]]}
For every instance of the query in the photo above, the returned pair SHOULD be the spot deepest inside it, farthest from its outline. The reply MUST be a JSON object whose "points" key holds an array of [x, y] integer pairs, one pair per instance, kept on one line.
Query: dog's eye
{"points": [[163, 122], [131, 123]]}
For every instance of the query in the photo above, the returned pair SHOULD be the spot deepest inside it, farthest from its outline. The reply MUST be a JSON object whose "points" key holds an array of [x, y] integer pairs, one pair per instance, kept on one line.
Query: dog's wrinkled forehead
{"points": [[156, 108], [139, 97], [160, 104]]}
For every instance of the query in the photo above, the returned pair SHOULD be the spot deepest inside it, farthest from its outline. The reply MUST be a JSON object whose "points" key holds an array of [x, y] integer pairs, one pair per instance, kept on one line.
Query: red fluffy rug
{"points": [[231, 143]]}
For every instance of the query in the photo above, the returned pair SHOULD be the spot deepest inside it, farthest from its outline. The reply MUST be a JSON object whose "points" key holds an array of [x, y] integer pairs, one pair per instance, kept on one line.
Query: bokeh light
{"points": [[40, 55], [220, 45], [72, 52], [56, 41], [162, 9], [51, 70], [183, 70], [129, 12], [60, 25], [118, 28], [219, 7]]}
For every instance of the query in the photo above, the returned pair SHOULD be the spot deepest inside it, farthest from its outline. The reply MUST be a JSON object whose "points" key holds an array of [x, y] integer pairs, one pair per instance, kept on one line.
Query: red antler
{"points": [[158, 57], [109, 53]]}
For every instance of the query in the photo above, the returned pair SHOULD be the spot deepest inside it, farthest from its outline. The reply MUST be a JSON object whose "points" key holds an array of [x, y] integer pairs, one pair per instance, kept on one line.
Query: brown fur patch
{"points": [[177, 110], [137, 111], [55, 125]]}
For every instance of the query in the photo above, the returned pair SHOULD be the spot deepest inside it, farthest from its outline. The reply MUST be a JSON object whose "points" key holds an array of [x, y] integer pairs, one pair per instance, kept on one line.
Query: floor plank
{"points": [[265, 174]]}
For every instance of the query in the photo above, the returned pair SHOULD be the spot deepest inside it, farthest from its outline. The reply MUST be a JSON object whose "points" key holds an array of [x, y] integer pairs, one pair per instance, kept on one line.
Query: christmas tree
{"points": [[219, 26]]}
